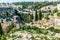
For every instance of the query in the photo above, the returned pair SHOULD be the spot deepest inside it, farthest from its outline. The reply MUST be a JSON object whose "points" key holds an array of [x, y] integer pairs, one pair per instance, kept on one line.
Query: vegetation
{"points": [[55, 10], [1, 30], [27, 18], [36, 16], [3, 37], [46, 17], [33, 29], [2, 34], [36, 5], [54, 30], [40, 15], [52, 14], [58, 14]]}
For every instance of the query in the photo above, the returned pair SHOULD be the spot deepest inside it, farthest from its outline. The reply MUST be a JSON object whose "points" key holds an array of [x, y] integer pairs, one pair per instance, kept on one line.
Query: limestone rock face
{"points": [[28, 37], [6, 21], [57, 35]]}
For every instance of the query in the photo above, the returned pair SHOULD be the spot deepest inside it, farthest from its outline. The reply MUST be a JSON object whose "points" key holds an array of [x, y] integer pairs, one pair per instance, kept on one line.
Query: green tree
{"points": [[46, 17], [36, 15], [51, 28], [40, 15], [1, 30], [55, 10], [16, 12], [31, 16], [7, 13], [3, 37], [58, 14]]}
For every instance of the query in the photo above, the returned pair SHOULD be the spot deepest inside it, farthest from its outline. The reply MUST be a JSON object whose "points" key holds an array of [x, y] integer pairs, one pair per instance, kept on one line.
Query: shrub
{"points": [[44, 31], [57, 30], [55, 10], [58, 14], [3, 37], [51, 28], [38, 31], [46, 17]]}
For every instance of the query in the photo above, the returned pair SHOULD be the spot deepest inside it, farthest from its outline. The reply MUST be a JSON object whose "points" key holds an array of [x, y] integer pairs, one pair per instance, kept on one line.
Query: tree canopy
{"points": [[55, 10]]}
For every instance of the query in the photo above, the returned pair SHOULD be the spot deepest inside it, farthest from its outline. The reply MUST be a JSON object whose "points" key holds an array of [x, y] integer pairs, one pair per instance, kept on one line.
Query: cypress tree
{"points": [[1, 30], [40, 15], [36, 16], [7, 13]]}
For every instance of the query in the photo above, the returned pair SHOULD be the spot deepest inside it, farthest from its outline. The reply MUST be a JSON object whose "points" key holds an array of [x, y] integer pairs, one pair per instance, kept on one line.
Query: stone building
{"points": [[55, 19]]}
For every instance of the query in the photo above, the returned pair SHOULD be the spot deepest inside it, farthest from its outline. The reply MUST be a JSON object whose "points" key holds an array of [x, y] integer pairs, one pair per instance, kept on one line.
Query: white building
{"points": [[57, 35], [49, 7], [58, 6], [56, 0], [55, 19]]}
